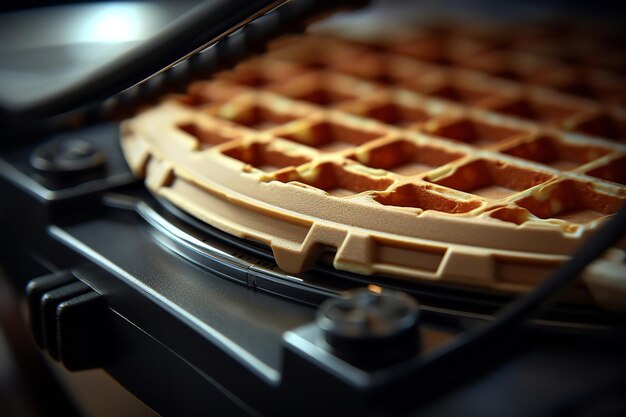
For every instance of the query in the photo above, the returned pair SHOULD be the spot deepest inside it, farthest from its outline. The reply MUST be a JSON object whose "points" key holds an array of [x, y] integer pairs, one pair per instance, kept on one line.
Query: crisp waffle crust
{"points": [[446, 158]]}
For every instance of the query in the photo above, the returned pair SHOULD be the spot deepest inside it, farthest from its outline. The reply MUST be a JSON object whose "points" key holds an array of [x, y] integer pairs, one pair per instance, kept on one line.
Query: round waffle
{"points": [[444, 155]]}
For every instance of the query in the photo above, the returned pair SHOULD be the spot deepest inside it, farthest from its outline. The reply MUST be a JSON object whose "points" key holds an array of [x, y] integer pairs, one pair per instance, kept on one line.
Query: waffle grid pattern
{"points": [[411, 157], [486, 158]]}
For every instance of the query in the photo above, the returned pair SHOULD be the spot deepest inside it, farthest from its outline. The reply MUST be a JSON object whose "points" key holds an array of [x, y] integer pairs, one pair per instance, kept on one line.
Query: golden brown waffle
{"points": [[464, 157]]}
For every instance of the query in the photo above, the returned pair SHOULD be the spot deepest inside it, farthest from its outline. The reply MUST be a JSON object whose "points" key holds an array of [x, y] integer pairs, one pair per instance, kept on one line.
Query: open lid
{"points": [[139, 44]]}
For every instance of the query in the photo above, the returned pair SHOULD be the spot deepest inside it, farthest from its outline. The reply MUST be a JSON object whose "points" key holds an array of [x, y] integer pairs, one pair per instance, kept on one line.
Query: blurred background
{"points": [[44, 46]]}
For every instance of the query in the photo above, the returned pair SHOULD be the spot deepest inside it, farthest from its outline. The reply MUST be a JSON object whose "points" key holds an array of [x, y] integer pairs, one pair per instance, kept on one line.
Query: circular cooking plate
{"points": [[229, 256]]}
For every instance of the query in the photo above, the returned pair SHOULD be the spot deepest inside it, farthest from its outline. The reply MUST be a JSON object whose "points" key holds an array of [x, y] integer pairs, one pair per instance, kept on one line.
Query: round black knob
{"points": [[371, 325], [67, 156]]}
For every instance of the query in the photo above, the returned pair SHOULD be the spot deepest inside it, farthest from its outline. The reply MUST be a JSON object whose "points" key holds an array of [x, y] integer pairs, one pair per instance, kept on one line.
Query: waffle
{"points": [[455, 156]]}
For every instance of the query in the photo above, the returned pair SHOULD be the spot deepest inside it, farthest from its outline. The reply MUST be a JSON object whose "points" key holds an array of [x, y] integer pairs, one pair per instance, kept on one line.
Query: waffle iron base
{"points": [[194, 324]]}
